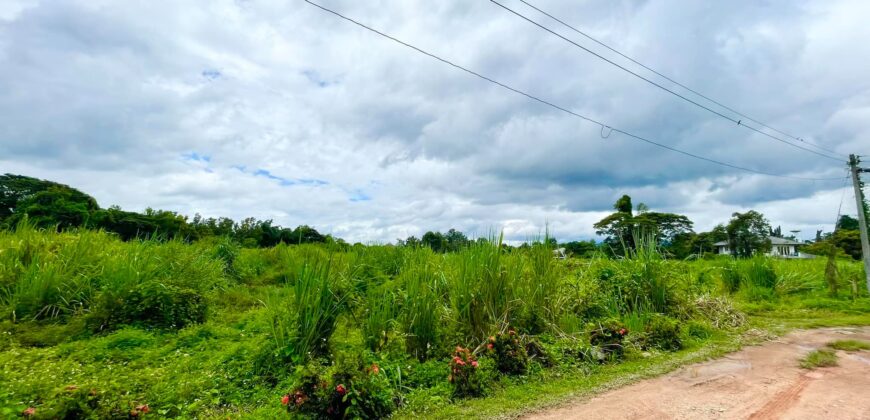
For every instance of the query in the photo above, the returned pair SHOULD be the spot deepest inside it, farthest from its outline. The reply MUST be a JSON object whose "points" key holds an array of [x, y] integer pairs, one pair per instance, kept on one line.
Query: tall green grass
{"points": [[318, 303]]}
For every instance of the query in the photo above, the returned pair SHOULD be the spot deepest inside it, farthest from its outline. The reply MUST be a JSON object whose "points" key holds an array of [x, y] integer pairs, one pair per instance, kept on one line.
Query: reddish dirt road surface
{"points": [[761, 382]]}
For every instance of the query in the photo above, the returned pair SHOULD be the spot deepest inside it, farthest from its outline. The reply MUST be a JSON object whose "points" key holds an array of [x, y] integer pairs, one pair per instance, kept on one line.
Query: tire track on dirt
{"points": [[782, 401]]}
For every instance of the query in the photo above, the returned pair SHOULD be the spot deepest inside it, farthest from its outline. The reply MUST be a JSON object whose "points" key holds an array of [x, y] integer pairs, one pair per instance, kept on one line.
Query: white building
{"points": [[779, 247]]}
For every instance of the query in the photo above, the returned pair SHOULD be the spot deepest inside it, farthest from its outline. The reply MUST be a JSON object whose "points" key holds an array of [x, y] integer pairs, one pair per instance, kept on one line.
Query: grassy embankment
{"points": [[93, 326]]}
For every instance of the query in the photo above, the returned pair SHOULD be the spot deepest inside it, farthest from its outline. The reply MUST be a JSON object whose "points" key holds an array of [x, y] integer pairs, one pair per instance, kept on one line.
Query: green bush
{"points": [[464, 374], [509, 354], [346, 391], [317, 303], [150, 304], [607, 337], [662, 333], [538, 353]]}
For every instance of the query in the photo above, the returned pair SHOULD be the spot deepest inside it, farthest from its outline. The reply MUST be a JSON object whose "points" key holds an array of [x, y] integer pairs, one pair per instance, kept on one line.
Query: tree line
{"points": [[48, 204]]}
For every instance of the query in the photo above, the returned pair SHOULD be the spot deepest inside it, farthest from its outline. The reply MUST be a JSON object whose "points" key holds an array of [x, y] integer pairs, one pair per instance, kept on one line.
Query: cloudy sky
{"points": [[278, 110]]}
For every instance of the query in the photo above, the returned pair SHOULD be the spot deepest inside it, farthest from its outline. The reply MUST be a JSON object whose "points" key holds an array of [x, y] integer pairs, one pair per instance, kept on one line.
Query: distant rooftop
{"points": [[774, 240]]}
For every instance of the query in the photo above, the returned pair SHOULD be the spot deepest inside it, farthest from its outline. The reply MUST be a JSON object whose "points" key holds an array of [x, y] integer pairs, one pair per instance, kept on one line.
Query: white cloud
{"points": [[381, 142]]}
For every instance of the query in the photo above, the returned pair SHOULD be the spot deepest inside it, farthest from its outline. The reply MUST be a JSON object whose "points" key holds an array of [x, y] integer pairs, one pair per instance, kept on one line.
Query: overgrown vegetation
{"points": [[850, 345], [819, 358], [100, 327]]}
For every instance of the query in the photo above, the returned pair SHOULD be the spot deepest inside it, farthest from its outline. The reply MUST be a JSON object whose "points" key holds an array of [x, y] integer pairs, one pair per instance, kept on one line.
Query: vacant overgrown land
{"points": [[94, 327]]}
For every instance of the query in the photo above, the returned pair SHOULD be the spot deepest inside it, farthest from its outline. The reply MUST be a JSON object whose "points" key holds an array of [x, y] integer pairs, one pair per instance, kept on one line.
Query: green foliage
{"points": [[850, 345], [317, 304], [422, 309], [464, 374], [819, 358], [748, 234], [621, 228], [379, 317], [346, 390], [662, 333], [509, 353], [607, 337], [210, 329], [149, 304]]}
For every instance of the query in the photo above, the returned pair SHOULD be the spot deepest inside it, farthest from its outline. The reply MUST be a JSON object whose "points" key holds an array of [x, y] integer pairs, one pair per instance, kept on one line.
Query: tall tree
{"points": [[620, 227], [748, 233]]}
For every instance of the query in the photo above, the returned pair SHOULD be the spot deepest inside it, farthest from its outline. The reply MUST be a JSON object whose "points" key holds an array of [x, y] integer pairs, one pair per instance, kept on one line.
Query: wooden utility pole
{"points": [[862, 218]]}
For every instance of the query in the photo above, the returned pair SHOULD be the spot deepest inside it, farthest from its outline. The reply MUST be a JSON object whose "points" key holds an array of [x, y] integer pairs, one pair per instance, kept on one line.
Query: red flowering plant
{"points": [[509, 354], [464, 374], [347, 390], [607, 337]]}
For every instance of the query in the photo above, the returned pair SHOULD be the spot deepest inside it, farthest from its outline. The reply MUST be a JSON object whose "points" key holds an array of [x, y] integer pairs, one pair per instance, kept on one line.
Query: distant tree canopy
{"points": [[583, 249], [748, 233], [451, 241], [845, 240], [48, 204], [621, 227]]}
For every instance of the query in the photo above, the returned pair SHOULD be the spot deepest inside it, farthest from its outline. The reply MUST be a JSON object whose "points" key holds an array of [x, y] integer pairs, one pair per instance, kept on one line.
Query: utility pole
{"points": [[862, 222]]}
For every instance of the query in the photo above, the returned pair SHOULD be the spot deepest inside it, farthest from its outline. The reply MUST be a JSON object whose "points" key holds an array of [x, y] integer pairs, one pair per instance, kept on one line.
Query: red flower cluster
{"points": [[461, 358], [375, 369], [29, 411], [340, 389], [622, 331], [298, 397], [139, 409]]}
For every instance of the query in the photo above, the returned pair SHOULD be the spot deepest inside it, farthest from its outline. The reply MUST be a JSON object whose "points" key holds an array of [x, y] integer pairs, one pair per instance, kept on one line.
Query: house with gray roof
{"points": [[779, 247]]}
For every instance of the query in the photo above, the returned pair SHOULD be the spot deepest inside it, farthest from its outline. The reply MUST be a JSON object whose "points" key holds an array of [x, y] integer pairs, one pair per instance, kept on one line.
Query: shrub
{"points": [[350, 391], [227, 251], [464, 374], [509, 354], [697, 330], [150, 304], [537, 352], [607, 337], [850, 345], [422, 309], [662, 333], [380, 309], [71, 402], [819, 358], [317, 306]]}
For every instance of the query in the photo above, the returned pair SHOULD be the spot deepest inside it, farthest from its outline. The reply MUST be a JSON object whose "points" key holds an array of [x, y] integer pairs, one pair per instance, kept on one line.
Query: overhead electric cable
{"points": [[658, 85], [593, 39], [840, 207], [545, 102]]}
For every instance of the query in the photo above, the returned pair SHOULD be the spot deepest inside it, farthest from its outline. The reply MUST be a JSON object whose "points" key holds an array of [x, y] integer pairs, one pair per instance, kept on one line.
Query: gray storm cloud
{"points": [[117, 99]]}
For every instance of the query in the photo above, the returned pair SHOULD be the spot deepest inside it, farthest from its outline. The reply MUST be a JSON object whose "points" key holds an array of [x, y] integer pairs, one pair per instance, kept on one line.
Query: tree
{"points": [[46, 203], [582, 249], [434, 240], [455, 240], [620, 228], [748, 233], [847, 222]]}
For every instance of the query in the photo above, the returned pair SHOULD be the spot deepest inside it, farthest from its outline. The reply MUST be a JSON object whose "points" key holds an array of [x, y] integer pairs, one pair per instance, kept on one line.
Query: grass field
{"points": [[94, 327]]}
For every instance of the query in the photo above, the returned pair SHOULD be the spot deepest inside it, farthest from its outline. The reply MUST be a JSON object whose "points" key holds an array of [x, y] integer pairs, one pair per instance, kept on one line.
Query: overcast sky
{"points": [[278, 110]]}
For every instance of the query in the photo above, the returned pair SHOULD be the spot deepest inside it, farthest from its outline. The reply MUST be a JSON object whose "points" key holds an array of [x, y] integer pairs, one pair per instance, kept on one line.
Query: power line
{"points": [[840, 207], [560, 108], [591, 38], [658, 85]]}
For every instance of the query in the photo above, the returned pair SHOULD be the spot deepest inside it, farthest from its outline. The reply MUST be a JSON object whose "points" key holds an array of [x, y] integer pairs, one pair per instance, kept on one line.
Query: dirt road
{"points": [[761, 382]]}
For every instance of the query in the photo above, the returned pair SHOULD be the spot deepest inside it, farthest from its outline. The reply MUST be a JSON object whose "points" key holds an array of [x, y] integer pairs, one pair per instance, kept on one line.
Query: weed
{"points": [[819, 358], [850, 345]]}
